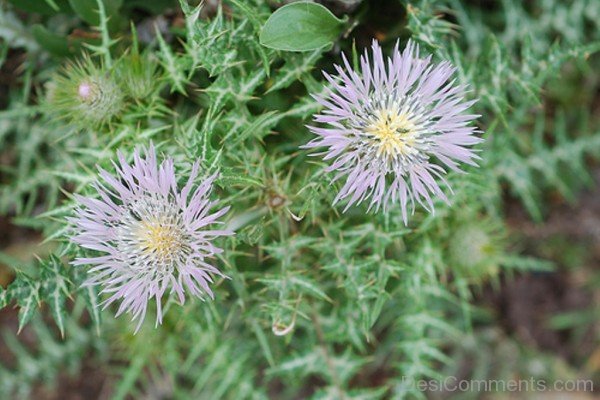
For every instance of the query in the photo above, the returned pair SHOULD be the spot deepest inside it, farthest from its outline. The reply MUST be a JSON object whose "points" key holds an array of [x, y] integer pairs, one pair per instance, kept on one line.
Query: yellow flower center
{"points": [[159, 238], [393, 132]]}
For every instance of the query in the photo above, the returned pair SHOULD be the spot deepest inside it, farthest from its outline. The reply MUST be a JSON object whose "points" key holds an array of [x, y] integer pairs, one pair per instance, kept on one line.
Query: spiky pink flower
{"points": [[388, 127], [153, 237]]}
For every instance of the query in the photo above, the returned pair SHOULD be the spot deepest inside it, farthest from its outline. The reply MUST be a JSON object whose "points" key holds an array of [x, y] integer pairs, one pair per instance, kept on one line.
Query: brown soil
{"points": [[526, 302]]}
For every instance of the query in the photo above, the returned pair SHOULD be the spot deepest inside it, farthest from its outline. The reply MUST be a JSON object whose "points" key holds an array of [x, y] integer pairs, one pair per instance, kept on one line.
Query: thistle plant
{"points": [[127, 163]]}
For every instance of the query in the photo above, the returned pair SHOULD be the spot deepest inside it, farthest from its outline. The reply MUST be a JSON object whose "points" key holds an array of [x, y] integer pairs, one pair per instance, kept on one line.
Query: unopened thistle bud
{"points": [[474, 251], [85, 95], [138, 75]]}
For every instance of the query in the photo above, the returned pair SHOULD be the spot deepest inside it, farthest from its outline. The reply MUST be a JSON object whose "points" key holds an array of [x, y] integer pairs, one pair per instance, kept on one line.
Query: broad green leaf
{"points": [[301, 27], [55, 44], [45, 7]]}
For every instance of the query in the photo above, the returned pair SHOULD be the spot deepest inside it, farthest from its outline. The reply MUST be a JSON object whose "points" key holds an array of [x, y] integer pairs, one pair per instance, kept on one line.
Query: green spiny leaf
{"points": [[55, 289], [26, 292]]}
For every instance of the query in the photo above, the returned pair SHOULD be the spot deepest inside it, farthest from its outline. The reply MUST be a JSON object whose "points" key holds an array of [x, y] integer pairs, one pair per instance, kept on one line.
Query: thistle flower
{"points": [[153, 236], [385, 126], [84, 94]]}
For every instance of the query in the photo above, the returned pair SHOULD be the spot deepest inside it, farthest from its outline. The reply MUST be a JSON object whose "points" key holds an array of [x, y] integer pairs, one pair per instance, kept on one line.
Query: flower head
{"points": [[153, 236], [385, 126]]}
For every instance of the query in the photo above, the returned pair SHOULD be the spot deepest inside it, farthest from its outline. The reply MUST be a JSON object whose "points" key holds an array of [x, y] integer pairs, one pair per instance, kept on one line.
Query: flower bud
{"points": [[472, 252], [138, 76], [85, 95]]}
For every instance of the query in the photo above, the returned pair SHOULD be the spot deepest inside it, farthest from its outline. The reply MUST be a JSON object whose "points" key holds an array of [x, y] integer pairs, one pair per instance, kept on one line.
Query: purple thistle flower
{"points": [[384, 126], [153, 236]]}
